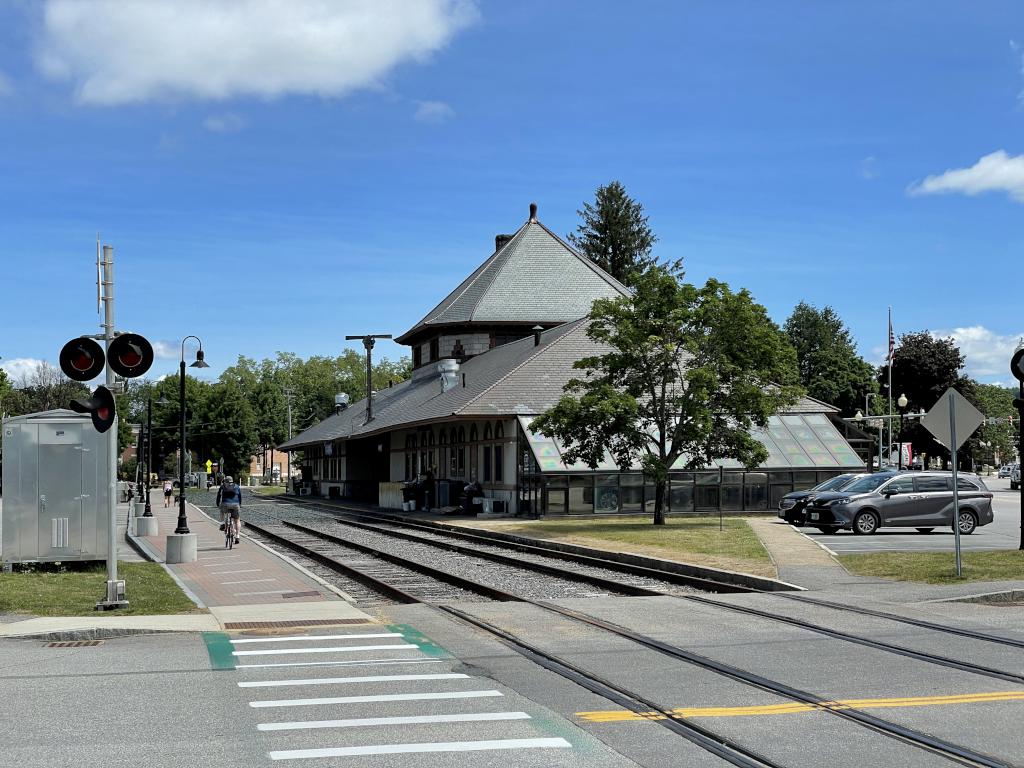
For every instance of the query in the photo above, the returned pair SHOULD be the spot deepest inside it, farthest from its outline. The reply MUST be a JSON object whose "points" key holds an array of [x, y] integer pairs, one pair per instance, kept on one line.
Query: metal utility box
{"points": [[55, 489]]}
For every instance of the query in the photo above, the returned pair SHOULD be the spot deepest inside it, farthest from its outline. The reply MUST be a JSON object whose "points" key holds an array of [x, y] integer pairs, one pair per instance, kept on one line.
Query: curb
{"points": [[142, 546], [93, 633]]}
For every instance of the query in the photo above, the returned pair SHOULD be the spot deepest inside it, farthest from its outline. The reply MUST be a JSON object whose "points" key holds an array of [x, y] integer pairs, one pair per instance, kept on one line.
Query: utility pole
{"points": [[368, 342], [288, 397]]}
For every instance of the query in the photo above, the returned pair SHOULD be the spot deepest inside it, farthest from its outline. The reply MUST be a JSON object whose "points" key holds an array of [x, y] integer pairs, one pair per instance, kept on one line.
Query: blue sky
{"points": [[276, 175]]}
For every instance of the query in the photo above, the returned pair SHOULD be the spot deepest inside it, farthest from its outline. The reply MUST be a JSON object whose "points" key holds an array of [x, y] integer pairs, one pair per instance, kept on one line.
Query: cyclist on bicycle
{"points": [[229, 501]]}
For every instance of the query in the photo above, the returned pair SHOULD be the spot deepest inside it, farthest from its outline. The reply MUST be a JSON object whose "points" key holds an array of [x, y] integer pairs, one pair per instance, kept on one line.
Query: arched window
{"points": [[472, 433], [442, 453], [487, 431], [499, 430], [462, 434], [431, 456], [499, 453]]}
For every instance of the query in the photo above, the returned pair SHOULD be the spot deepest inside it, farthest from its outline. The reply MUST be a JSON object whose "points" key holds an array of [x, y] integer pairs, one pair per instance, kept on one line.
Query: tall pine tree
{"points": [[614, 234]]}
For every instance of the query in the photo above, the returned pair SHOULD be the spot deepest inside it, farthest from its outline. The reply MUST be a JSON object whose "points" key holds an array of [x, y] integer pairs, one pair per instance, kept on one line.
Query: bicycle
{"points": [[230, 532]]}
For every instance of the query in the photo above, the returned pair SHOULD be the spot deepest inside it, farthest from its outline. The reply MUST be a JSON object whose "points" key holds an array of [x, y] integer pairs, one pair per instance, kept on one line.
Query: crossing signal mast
{"points": [[1017, 369], [82, 359]]}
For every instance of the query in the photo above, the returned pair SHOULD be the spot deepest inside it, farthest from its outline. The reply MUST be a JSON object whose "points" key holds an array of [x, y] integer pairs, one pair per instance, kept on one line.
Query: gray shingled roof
{"points": [[535, 278], [512, 379]]}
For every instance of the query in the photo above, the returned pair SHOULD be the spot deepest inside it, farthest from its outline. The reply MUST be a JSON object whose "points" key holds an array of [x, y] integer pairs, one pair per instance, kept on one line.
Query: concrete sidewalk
{"points": [[248, 586], [799, 559]]}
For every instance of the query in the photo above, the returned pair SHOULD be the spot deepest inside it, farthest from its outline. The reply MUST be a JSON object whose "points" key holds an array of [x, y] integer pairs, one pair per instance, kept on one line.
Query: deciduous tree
{"points": [[685, 373], [827, 361]]}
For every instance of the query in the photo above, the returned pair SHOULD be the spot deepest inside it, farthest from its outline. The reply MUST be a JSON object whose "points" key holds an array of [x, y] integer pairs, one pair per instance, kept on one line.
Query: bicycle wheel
{"points": [[229, 535]]}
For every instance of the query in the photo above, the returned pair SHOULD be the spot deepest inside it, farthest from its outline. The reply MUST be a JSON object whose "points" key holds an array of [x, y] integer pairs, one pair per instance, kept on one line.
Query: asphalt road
{"points": [[1002, 533]]}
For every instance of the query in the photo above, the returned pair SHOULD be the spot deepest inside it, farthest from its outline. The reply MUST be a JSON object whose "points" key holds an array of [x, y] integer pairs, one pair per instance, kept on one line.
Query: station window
{"points": [[434, 349], [417, 356], [499, 467]]}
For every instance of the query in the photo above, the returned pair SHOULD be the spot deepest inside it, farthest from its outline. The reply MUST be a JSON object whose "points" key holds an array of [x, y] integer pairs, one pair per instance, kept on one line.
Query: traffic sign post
{"points": [[951, 421]]}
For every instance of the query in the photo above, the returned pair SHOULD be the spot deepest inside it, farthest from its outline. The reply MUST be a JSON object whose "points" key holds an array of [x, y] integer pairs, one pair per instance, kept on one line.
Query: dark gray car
{"points": [[922, 500]]}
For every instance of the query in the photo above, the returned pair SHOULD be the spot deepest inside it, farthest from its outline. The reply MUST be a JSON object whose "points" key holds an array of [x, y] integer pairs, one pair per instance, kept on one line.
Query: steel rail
{"points": [[931, 658], [949, 750], [706, 739], [970, 633], [336, 565], [551, 570], [963, 755], [709, 585]]}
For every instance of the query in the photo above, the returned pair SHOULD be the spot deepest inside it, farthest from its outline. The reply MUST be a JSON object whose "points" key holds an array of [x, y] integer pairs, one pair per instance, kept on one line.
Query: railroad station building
{"points": [[491, 356]]}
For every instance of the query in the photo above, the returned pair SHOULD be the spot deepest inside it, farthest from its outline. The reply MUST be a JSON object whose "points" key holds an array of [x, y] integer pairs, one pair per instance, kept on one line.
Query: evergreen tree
{"points": [[829, 367], [614, 234]]}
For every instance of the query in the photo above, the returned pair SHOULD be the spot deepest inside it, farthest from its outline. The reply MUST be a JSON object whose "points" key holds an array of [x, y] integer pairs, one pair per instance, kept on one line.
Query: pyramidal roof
{"points": [[534, 278]]}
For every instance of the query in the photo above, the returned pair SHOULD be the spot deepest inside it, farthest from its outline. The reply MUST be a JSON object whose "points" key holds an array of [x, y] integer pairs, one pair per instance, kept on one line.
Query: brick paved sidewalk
{"points": [[248, 582]]}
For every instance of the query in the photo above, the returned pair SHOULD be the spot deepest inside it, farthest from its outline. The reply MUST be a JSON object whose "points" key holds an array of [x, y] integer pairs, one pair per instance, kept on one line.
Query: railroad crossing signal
{"points": [[100, 406], [130, 355], [81, 359]]}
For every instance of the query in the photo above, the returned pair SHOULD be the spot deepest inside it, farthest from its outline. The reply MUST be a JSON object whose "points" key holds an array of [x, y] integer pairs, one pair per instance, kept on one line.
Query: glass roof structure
{"points": [[793, 441]]}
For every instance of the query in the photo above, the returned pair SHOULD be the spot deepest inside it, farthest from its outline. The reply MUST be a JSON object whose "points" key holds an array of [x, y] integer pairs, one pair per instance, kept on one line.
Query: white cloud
{"points": [[986, 352], [997, 172], [869, 168], [433, 112], [118, 53], [166, 350], [20, 368], [228, 122]]}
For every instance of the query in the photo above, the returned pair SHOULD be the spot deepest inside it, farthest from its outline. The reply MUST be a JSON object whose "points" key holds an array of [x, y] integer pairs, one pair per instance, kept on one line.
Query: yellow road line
{"points": [[614, 716]]}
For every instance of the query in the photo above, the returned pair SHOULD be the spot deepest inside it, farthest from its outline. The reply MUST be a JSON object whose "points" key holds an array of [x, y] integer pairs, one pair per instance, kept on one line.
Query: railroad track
{"points": [[708, 585], [708, 739]]}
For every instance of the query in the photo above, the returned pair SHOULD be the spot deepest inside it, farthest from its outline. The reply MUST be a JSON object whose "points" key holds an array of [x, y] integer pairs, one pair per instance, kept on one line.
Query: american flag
{"points": [[892, 339]]}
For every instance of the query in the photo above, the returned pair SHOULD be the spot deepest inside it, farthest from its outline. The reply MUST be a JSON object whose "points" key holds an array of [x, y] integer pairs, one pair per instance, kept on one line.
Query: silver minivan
{"points": [[921, 500]]}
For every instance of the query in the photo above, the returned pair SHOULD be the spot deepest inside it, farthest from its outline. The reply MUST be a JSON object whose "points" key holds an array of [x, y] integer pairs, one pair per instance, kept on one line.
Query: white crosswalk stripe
{"points": [[360, 722], [374, 699], [439, 746], [341, 680]]}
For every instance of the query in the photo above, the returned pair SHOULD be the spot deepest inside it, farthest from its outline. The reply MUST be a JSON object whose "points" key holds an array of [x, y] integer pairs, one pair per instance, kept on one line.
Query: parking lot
{"points": [[1002, 533]]}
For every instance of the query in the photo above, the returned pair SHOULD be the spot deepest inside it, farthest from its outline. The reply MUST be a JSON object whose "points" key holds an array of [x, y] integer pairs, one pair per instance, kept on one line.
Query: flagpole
{"points": [[891, 354]]}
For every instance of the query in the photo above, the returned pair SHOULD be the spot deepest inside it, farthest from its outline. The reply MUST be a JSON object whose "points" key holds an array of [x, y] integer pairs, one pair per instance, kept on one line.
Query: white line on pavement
{"points": [[266, 592], [375, 721], [363, 679], [438, 746], [360, 663], [247, 581], [244, 570], [340, 649], [376, 698], [301, 638]]}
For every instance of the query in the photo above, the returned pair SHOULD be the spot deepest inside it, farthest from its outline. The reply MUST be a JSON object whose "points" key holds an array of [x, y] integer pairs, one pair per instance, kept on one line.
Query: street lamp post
{"points": [[149, 453], [200, 362], [902, 403]]}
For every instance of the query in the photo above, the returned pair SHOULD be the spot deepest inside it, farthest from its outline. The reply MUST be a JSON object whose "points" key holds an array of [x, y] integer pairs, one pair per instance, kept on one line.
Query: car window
{"points": [[900, 485], [833, 483], [866, 484], [925, 484], [965, 485]]}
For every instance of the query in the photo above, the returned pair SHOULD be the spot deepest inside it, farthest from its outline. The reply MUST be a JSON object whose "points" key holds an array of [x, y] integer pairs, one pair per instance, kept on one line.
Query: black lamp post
{"points": [[148, 458], [902, 404], [199, 363], [1017, 369]]}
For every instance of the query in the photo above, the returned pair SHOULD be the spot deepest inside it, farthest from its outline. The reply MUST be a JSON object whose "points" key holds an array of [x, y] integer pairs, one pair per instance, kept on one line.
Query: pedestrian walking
{"points": [[168, 492], [229, 501]]}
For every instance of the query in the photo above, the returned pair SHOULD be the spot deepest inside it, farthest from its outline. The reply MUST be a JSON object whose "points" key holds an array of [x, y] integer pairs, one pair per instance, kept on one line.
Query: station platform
{"points": [[248, 584]]}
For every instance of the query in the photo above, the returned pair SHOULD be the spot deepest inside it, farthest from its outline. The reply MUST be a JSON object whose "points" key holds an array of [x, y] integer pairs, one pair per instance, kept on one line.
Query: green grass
{"points": [[938, 567], [695, 540], [72, 590], [269, 490]]}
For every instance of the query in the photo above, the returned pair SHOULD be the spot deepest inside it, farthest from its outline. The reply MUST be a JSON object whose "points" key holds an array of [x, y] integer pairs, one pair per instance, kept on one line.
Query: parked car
{"points": [[921, 500], [1015, 477], [791, 506], [1005, 470]]}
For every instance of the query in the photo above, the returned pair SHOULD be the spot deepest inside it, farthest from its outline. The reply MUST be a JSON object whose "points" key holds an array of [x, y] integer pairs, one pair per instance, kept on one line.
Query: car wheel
{"points": [[968, 522], [829, 529], [925, 530], [865, 523]]}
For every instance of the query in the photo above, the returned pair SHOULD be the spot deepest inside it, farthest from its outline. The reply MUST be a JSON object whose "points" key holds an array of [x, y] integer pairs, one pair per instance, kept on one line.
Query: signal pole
{"points": [[115, 597]]}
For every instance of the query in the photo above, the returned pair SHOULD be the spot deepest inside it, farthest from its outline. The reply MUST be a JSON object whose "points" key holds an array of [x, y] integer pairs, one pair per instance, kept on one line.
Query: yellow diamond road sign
{"points": [[209, 466], [966, 416]]}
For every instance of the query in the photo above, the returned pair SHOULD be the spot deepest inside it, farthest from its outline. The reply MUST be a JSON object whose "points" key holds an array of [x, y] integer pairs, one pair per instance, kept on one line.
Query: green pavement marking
{"points": [[218, 645], [413, 635]]}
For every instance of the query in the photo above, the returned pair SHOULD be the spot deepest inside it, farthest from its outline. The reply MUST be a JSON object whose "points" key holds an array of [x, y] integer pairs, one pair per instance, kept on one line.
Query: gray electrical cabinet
{"points": [[55, 489]]}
